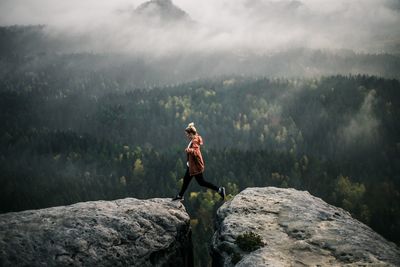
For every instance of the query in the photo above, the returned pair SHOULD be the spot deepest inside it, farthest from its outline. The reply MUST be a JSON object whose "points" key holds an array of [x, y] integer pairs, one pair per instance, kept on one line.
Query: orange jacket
{"points": [[194, 157]]}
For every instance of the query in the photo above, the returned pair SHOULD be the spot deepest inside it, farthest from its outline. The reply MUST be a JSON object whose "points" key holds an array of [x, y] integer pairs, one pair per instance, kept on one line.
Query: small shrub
{"points": [[249, 241], [236, 257]]}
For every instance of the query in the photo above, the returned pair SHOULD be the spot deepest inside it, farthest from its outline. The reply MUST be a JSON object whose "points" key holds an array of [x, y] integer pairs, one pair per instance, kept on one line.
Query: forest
{"points": [[69, 137]]}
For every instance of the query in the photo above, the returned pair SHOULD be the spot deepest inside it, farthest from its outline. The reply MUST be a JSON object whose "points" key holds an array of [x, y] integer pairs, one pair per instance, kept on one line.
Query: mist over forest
{"points": [[94, 98], [160, 42]]}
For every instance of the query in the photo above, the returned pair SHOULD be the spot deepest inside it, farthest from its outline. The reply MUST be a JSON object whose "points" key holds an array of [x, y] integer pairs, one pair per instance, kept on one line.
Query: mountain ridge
{"points": [[164, 10]]}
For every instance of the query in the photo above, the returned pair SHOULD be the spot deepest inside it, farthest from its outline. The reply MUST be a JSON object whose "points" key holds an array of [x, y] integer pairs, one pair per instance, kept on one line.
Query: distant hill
{"points": [[164, 10]]}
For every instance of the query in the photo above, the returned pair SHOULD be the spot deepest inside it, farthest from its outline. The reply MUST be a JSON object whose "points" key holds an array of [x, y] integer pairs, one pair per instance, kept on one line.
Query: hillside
{"points": [[66, 140]]}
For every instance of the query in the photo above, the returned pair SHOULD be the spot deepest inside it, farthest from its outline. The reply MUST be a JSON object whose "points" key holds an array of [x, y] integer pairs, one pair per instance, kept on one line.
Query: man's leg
{"points": [[186, 181], [200, 180]]}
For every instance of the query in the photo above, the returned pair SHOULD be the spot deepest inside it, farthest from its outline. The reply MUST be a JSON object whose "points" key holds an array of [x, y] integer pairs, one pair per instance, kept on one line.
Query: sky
{"points": [[258, 26]]}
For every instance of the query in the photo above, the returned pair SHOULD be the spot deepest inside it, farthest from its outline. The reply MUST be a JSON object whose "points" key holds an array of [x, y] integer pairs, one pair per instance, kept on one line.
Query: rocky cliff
{"points": [[293, 228], [125, 232]]}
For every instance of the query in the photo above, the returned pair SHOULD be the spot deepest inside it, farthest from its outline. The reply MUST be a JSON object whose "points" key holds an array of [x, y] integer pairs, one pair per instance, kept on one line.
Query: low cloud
{"points": [[363, 126], [255, 26]]}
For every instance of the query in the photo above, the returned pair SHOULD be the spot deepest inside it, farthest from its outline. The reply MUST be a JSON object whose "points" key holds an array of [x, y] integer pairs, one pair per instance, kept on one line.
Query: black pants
{"points": [[200, 180]]}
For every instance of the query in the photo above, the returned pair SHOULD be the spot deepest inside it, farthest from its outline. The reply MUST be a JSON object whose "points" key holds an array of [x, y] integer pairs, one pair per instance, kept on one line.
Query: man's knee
{"points": [[200, 181]]}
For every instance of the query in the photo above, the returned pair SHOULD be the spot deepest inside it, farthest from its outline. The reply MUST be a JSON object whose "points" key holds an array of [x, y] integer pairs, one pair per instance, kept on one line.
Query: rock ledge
{"points": [[125, 232], [299, 230]]}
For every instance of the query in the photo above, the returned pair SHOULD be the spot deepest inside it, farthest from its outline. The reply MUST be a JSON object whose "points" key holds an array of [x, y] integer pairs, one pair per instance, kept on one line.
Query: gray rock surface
{"points": [[125, 232], [297, 229]]}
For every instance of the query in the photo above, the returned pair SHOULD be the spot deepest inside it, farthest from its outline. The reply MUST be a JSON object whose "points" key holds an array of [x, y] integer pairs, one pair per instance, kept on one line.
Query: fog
{"points": [[363, 126], [241, 26]]}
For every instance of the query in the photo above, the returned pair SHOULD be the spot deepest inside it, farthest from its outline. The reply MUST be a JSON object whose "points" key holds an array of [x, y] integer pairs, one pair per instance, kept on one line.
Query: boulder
{"points": [[125, 232], [295, 229]]}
